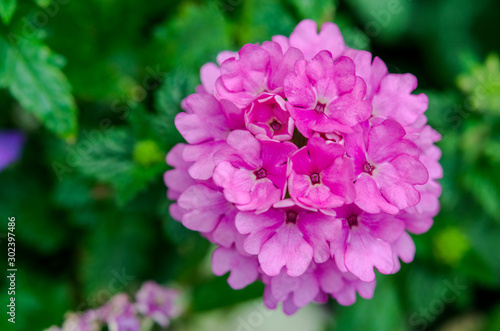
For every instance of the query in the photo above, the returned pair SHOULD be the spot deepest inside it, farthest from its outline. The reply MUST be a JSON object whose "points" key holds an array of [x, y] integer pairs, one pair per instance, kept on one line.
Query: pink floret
{"points": [[326, 96], [321, 176]]}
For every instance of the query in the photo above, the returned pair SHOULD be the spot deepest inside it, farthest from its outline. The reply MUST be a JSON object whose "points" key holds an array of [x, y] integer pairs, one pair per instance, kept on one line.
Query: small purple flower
{"points": [[294, 292], [11, 143], [255, 178], [288, 237], [258, 71], [153, 301], [320, 176], [268, 119], [205, 126], [158, 302], [125, 322], [177, 179], [386, 168], [207, 202], [395, 100], [343, 286], [326, 96], [305, 37], [207, 119], [243, 267], [365, 242], [120, 314]]}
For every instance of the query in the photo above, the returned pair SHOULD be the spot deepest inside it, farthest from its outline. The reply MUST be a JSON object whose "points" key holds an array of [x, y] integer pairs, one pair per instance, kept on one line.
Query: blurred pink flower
{"points": [[153, 301], [158, 302]]}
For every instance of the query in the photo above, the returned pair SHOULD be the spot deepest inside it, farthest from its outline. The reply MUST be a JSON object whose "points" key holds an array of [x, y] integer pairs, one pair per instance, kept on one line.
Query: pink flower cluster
{"points": [[153, 301], [308, 164]]}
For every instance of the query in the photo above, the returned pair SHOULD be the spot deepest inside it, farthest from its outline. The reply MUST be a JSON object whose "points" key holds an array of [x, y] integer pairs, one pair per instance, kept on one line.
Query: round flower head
{"points": [[308, 164]]}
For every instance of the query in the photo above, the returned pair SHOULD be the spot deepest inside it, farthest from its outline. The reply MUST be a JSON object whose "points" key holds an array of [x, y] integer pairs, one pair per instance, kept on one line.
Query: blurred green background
{"points": [[95, 86]]}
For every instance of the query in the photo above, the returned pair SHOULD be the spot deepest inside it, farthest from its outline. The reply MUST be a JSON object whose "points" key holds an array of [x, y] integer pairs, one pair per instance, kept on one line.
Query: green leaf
{"points": [[319, 10], [72, 192], [443, 291], [353, 36], [115, 254], [34, 295], [7, 9], [443, 111], [177, 85], [35, 79], [493, 323], [485, 190], [441, 288], [41, 229], [261, 21], [43, 3], [485, 257], [482, 85], [420, 297], [216, 293], [110, 160], [382, 313], [475, 133], [474, 267], [384, 19], [491, 150], [185, 40], [4, 51]]}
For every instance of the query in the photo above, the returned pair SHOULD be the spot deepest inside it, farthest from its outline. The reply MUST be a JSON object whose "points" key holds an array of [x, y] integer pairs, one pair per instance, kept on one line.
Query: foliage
{"points": [[95, 86]]}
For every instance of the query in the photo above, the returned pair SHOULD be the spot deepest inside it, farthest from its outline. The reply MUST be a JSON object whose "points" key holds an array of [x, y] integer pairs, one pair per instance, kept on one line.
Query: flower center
{"points": [[352, 221], [368, 168], [261, 173], [315, 178], [333, 136], [275, 125], [320, 108], [291, 217], [159, 301]]}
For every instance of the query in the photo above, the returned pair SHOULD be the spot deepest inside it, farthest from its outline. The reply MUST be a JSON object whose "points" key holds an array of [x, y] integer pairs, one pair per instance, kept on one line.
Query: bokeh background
{"points": [[95, 85]]}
